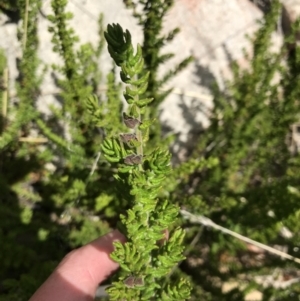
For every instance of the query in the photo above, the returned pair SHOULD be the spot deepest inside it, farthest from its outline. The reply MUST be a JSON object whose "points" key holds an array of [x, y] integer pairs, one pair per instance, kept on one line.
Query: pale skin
{"points": [[78, 275]]}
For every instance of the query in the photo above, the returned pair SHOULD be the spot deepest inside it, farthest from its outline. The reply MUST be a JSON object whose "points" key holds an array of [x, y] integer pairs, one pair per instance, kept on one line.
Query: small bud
{"points": [[165, 238], [127, 137], [133, 159], [139, 281], [130, 121], [133, 281], [129, 282]]}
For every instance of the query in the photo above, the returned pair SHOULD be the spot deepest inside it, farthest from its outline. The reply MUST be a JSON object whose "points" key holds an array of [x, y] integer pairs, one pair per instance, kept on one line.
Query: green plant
{"points": [[29, 79], [95, 166], [40, 206], [61, 204], [249, 190], [144, 261]]}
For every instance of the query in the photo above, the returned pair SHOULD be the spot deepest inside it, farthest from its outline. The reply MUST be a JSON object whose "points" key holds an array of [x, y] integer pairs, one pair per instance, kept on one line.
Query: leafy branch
{"points": [[151, 251]]}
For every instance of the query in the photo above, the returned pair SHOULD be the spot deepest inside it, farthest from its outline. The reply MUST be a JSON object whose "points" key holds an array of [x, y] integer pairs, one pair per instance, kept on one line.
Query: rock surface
{"points": [[214, 32], [290, 12], [291, 8]]}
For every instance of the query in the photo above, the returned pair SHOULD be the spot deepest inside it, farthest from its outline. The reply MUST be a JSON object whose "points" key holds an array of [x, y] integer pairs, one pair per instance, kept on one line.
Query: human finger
{"points": [[78, 275]]}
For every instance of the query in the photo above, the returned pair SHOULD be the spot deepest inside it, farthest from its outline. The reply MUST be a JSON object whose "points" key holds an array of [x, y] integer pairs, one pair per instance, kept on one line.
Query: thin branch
{"points": [[25, 24], [33, 139], [5, 93], [200, 219], [94, 166], [192, 94]]}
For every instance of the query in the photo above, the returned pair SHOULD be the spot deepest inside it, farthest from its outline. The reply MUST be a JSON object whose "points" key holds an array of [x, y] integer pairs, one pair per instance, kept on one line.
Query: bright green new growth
{"points": [[149, 255]]}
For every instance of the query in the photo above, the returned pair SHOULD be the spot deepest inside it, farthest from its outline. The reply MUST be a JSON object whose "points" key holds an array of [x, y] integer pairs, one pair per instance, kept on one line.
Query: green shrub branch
{"points": [[144, 261]]}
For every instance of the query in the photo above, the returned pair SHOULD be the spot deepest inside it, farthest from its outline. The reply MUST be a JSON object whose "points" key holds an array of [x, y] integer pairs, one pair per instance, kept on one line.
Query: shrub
{"points": [[84, 173]]}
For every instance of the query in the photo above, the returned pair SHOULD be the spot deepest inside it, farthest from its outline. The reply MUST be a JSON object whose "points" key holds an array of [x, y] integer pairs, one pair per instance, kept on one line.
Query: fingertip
{"points": [[95, 257]]}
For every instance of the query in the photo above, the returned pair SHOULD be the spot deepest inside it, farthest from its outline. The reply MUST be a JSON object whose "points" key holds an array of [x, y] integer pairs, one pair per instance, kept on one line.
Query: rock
{"points": [[263, 5], [292, 9], [290, 13], [213, 31]]}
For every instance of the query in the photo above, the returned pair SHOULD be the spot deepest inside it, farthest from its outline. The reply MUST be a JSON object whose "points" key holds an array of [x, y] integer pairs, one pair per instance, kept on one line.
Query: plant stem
{"points": [[138, 132], [5, 93], [25, 24], [139, 137]]}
